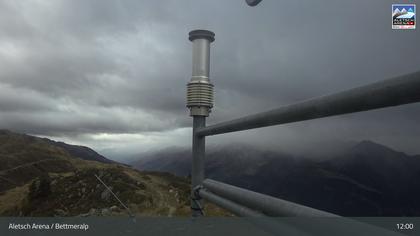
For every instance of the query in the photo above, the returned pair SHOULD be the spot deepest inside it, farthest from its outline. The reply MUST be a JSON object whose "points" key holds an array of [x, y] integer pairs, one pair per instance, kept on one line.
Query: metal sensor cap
{"points": [[201, 34]]}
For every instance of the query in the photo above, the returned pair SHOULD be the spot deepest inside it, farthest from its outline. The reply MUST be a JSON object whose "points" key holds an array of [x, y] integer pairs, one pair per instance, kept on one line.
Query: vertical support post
{"points": [[197, 170], [200, 102]]}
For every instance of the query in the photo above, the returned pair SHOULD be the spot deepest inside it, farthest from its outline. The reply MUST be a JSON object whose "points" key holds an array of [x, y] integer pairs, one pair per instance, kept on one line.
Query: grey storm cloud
{"points": [[80, 68]]}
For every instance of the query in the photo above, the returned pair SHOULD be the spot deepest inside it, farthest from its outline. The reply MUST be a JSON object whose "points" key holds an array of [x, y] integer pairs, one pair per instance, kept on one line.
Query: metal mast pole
{"points": [[200, 102]]}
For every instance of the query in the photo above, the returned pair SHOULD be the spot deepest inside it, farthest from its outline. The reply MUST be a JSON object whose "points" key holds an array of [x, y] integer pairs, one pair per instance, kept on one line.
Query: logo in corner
{"points": [[403, 16]]}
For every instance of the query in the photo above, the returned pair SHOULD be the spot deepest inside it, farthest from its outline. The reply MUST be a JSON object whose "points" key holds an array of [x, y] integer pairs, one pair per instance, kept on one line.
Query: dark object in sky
{"points": [[253, 2]]}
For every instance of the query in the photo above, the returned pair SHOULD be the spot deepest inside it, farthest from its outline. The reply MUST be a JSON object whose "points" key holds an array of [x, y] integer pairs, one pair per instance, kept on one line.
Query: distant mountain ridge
{"points": [[367, 179], [82, 152]]}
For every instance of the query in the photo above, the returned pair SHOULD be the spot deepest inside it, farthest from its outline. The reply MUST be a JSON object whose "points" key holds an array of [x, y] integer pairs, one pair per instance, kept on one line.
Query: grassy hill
{"points": [[38, 178]]}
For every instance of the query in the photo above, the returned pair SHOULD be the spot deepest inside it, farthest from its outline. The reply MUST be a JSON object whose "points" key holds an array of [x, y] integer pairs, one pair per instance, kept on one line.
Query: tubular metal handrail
{"points": [[268, 205], [392, 92]]}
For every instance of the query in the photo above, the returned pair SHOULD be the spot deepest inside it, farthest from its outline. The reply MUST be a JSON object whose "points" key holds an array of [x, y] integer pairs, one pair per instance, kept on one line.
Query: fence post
{"points": [[200, 102]]}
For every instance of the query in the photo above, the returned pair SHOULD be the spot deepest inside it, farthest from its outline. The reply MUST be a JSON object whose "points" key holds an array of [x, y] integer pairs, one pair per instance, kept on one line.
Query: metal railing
{"points": [[391, 92]]}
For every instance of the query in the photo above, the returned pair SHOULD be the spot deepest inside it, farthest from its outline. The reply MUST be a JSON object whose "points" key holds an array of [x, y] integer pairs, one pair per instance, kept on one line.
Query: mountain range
{"points": [[42, 177], [366, 179]]}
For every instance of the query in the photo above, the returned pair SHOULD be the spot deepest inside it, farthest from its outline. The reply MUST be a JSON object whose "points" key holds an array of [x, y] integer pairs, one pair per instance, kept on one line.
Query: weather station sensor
{"points": [[199, 89]]}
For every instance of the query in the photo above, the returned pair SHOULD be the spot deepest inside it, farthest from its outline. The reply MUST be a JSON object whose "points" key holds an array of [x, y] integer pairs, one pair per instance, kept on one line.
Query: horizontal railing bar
{"points": [[287, 227], [268, 205], [228, 205], [254, 217], [391, 92]]}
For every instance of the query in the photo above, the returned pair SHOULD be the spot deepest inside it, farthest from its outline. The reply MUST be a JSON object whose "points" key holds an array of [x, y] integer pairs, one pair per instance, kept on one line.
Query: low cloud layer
{"points": [[112, 74]]}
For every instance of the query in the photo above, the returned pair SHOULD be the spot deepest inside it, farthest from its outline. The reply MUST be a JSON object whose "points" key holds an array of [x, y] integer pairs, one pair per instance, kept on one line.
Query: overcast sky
{"points": [[112, 74]]}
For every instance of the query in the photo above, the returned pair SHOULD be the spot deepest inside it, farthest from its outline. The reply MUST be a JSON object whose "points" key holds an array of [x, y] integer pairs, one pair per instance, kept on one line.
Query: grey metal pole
{"points": [[257, 218], [286, 227], [197, 168], [391, 92], [268, 205], [199, 101]]}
